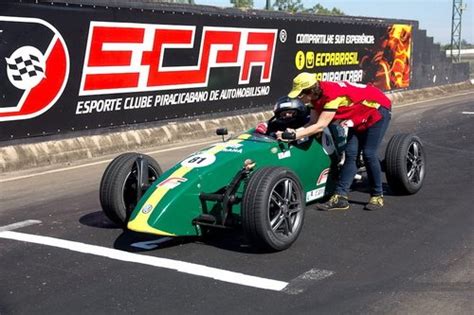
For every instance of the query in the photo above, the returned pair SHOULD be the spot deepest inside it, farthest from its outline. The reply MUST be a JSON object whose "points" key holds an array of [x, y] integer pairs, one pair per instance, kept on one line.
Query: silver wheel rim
{"points": [[415, 163], [285, 210]]}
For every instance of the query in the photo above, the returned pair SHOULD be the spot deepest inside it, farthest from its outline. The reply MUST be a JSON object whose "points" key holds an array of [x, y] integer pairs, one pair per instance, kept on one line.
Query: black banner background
{"points": [[68, 114]]}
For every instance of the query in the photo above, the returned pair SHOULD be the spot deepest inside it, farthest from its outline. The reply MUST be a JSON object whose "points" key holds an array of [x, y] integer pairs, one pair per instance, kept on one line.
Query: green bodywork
{"points": [[171, 203]]}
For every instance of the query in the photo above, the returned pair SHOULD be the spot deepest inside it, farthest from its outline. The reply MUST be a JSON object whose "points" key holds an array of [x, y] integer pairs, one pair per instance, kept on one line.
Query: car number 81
{"points": [[199, 160]]}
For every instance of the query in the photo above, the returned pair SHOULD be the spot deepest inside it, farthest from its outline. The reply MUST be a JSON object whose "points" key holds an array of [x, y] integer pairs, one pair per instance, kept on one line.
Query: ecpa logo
{"points": [[35, 68], [130, 57]]}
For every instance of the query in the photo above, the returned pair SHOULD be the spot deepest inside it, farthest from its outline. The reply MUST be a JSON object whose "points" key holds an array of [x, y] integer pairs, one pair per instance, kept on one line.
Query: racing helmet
{"points": [[290, 112]]}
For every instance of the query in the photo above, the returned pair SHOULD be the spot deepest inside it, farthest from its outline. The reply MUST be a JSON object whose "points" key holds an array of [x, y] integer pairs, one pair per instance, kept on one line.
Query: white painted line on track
{"points": [[18, 225], [102, 162], [180, 266], [468, 113], [299, 284]]}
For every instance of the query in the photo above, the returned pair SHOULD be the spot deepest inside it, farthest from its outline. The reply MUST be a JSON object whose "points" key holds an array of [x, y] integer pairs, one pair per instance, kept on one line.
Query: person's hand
{"points": [[262, 128], [280, 133]]}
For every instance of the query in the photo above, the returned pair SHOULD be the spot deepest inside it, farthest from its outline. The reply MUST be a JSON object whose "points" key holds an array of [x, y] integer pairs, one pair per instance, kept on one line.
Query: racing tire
{"points": [[273, 208], [111, 165], [118, 187], [405, 164]]}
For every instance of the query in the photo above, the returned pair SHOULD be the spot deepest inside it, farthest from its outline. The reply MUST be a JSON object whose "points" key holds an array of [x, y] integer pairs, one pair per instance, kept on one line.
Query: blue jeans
{"points": [[369, 142]]}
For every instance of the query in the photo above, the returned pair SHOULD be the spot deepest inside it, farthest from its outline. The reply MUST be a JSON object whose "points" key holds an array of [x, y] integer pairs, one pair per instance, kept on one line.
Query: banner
{"points": [[65, 69], [377, 55]]}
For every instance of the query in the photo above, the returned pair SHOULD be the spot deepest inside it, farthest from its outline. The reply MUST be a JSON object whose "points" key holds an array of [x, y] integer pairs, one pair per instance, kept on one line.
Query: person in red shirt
{"points": [[367, 110]]}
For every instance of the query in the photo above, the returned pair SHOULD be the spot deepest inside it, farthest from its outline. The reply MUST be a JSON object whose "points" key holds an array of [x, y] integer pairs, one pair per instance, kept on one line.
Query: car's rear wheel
{"points": [[273, 208], [405, 164], [121, 185]]}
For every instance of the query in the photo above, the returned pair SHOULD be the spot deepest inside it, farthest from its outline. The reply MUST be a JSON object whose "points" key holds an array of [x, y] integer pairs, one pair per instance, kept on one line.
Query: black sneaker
{"points": [[375, 203], [337, 202]]}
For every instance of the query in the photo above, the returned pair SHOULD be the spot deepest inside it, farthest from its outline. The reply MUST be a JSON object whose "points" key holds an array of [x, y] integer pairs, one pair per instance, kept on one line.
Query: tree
{"points": [[336, 11], [319, 9], [292, 6], [242, 4], [464, 45]]}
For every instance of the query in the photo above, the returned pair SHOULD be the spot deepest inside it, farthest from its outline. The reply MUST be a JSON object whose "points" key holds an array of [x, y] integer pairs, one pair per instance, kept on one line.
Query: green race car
{"points": [[252, 181]]}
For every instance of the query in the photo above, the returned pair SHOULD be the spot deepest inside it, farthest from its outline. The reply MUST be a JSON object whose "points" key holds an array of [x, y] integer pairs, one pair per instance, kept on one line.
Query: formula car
{"points": [[251, 182]]}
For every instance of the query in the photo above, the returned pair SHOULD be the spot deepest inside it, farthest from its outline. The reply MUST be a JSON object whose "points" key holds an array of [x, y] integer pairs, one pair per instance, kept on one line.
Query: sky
{"points": [[433, 16]]}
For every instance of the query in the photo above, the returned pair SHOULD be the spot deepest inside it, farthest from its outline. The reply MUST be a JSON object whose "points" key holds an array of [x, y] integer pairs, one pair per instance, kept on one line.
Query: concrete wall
{"points": [[23, 156], [431, 66]]}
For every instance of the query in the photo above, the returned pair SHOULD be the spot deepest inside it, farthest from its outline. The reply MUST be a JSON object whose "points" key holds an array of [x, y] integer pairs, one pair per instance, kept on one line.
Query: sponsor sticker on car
{"points": [[323, 177], [284, 155], [315, 194], [172, 182], [147, 208]]}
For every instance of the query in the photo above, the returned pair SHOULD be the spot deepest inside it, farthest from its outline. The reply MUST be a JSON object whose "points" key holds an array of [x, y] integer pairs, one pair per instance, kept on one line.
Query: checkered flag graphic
{"points": [[23, 68]]}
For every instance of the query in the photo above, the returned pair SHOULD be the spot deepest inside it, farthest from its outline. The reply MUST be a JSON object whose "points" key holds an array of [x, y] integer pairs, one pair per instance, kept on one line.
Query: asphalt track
{"points": [[59, 254]]}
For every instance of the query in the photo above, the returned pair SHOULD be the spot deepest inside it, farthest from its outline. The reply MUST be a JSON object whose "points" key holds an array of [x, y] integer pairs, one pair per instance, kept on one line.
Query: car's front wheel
{"points": [[273, 208], [122, 184]]}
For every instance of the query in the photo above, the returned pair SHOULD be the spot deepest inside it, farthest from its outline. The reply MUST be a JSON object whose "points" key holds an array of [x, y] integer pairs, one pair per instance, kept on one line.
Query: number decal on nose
{"points": [[199, 160]]}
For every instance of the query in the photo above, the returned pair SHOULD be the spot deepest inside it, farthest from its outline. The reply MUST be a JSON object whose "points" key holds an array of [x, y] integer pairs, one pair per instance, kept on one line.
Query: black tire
{"points": [[405, 164], [111, 165], [118, 187], [273, 208]]}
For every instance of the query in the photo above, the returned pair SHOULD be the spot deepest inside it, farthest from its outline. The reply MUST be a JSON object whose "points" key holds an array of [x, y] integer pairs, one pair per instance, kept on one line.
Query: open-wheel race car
{"points": [[251, 181]]}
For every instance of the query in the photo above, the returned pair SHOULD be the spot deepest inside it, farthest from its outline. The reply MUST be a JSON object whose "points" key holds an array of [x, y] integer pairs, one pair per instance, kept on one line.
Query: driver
{"points": [[288, 113]]}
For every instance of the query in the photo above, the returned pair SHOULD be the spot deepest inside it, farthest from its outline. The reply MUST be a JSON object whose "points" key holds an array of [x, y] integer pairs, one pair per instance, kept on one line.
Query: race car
{"points": [[251, 182]]}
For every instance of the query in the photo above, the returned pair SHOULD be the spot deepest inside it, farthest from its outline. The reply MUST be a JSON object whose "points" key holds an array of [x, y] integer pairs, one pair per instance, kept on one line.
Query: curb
{"points": [[54, 152]]}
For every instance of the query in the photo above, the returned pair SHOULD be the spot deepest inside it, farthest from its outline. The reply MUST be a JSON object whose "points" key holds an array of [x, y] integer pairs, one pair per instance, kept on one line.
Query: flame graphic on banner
{"points": [[391, 61]]}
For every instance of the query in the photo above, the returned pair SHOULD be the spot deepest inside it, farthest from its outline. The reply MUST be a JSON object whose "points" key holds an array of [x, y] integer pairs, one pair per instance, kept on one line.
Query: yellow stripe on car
{"points": [[140, 223]]}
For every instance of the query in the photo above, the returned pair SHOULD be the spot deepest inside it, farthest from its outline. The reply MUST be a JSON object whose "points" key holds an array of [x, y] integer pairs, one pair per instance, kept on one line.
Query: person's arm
{"points": [[313, 118], [322, 122], [324, 119]]}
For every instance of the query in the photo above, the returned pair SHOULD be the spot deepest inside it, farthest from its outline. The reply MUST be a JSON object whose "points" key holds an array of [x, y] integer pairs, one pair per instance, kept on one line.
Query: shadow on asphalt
{"points": [[226, 240], [98, 220], [135, 242], [231, 240]]}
